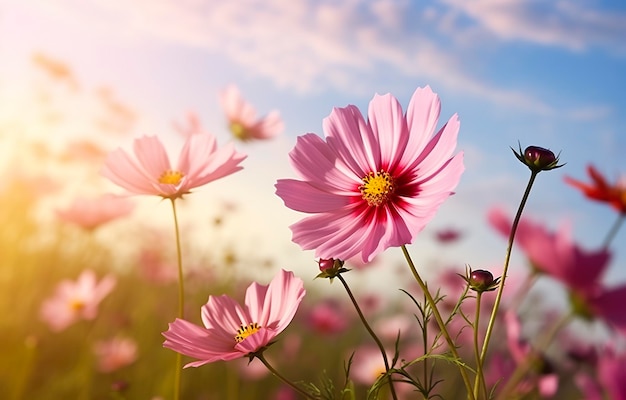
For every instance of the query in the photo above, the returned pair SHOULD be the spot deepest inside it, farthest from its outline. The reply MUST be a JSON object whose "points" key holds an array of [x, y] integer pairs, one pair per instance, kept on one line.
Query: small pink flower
{"points": [[242, 118], [92, 213], [115, 353], [231, 331], [75, 300], [446, 236], [199, 162], [328, 318], [374, 184]]}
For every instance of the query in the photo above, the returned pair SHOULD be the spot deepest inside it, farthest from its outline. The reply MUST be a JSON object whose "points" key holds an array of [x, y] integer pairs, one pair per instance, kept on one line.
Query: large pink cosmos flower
{"points": [[91, 213], [242, 118], [232, 331], [75, 300], [372, 185], [199, 163]]}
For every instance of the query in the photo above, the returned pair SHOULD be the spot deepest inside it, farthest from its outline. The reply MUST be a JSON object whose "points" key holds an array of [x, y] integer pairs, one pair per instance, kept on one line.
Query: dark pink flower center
{"points": [[244, 331], [171, 177], [377, 188]]}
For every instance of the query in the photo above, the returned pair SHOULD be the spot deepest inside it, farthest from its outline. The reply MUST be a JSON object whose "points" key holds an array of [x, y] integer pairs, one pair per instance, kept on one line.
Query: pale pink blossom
{"points": [[90, 213], [115, 353], [374, 184], [242, 117], [74, 300], [200, 162], [231, 331], [192, 126]]}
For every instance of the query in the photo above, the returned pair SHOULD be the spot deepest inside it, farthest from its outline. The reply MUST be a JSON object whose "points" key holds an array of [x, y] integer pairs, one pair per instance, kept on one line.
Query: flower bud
{"points": [[537, 158], [481, 280], [330, 268]]}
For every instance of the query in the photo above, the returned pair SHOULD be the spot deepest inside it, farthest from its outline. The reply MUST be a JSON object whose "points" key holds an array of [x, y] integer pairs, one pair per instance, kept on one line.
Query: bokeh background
{"points": [[81, 78]]}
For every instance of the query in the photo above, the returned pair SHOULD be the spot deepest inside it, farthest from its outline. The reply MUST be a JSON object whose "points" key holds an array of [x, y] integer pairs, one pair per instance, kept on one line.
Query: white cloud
{"points": [[304, 45], [567, 24]]}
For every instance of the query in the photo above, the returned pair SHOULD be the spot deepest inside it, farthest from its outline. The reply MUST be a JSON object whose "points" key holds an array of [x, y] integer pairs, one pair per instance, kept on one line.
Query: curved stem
{"points": [[614, 229], [440, 322], [507, 259], [282, 378], [372, 334], [181, 300], [523, 368]]}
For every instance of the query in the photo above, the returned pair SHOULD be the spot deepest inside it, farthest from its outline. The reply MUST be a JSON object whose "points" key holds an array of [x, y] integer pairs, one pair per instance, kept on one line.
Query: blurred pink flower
{"points": [[328, 317], [242, 118], [115, 353], [372, 185], [199, 162], [232, 331], [192, 126], [367, 365], [73, 300], [611, 371], [555, 254], [92, 213], [449, 235]]}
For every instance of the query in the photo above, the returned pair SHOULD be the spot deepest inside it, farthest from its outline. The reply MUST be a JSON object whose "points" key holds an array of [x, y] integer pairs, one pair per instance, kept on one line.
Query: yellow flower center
{"points": [[377, 188], [171, 177], [239, 131], [245, 331], [77, 305]]}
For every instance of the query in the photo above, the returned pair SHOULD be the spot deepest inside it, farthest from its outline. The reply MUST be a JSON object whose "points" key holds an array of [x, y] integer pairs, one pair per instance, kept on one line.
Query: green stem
{"points": [[480, 379], [440, 322], [372, 334], [614, 229], [181, 301], [286, 381], [523, 368], [507, 259]]}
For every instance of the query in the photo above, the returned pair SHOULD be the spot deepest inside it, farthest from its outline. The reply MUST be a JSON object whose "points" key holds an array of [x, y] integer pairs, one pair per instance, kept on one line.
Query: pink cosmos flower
{"points": [[242, 118], [115, 353], [192, 126], [92, 213], [231, 331], [328, 317], [555, 253], [199, 162], [372, 185], [75, 300]]}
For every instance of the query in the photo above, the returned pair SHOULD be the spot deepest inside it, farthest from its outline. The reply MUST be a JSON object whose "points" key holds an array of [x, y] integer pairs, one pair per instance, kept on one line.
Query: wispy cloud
{"points": [[572, 25], [304, 45]]}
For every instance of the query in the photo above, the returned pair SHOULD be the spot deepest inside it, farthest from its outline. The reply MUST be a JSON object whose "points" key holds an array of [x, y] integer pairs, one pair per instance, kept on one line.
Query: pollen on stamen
{"points": [[377, 188], [244, 331], [171, 177]]}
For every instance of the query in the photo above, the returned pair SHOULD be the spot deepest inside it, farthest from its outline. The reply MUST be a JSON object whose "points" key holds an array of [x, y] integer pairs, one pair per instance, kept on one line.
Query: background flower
{"points": [[74, 300], [242, 118], [92, 213], [199, 162]]}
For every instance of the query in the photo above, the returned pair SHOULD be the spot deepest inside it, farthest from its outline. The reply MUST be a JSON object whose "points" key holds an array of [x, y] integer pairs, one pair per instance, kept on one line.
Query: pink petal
{"points": [[304, 197], [389, 129]]}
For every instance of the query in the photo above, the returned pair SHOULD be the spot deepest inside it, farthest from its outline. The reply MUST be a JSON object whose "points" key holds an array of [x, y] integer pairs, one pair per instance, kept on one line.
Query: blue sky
{"points": [[547, 73]]}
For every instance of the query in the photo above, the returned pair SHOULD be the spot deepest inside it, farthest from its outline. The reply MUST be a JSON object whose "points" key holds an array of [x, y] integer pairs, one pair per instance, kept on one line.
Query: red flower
{"points": [[601, 190]]}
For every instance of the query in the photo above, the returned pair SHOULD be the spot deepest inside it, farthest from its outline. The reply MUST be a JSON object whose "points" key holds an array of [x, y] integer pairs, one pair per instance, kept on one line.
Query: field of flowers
{"points": [[97, 309]]}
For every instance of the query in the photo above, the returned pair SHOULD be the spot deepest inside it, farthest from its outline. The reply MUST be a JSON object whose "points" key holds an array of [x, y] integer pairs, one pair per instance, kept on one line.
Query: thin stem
{"points": [[543, 344], [507, 259], [282, 378], [181, 300], [440, 322], [480, 379], [614, 229], [372, 334]]}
